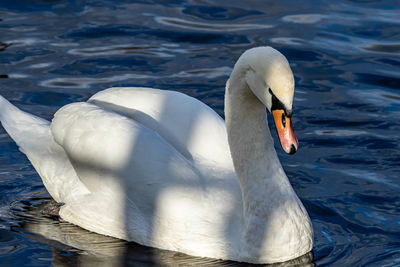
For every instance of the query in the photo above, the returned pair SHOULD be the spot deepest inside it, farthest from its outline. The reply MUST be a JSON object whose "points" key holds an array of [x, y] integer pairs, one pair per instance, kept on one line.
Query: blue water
{"points": [[345, 56]]}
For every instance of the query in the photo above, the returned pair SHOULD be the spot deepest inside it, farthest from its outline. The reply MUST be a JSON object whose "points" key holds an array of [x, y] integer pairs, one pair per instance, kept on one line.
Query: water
{"points": [[345, 56]]}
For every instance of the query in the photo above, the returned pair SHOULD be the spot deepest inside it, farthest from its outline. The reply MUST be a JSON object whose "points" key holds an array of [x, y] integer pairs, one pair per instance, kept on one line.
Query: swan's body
{"points": [[155, 167]]}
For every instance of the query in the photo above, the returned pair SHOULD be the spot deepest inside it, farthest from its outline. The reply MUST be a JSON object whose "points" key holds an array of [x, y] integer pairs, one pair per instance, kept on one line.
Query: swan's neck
{"points": [[252, 148], [269, 202]]}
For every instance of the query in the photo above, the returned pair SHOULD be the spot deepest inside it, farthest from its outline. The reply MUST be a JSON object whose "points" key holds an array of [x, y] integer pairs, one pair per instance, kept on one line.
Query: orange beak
{"points": [[285, 130]]}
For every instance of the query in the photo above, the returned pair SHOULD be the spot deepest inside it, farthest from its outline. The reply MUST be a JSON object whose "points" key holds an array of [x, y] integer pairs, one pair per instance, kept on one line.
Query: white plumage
{"points": [[155, 166]]}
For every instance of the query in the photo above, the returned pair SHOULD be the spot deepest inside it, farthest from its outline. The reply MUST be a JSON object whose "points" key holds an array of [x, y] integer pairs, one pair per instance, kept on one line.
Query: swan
{"points": [[164, 170]]}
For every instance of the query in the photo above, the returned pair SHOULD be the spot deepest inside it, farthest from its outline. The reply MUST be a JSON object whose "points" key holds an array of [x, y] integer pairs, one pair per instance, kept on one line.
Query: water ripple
{"points": [[203, 26], [210, 73], [26, 41], [86, 82], [288, 41], [377, 97], [121, 50], [304, 18], [370, 176], [41, 65], [383, 48], [3, 46], [339, 132]]}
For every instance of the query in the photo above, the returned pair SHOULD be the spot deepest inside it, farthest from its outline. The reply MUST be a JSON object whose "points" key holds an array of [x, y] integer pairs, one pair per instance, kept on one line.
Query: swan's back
{"points": [[190, 126]]}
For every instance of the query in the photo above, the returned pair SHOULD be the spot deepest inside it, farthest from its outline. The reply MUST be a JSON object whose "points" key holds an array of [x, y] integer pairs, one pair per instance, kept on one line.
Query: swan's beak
{"points": [[285, 130]]}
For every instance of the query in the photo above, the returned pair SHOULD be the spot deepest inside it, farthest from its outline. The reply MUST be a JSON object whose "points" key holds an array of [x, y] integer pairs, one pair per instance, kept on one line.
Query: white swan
{"points": [[155, 166]]}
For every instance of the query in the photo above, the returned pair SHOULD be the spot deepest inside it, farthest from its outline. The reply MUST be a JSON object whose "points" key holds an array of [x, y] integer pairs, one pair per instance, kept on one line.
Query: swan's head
{"points": [[270, 78]]}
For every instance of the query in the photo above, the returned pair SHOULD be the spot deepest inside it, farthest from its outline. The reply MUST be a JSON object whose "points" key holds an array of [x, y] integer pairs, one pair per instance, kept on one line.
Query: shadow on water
{"points": [[74, 245]]}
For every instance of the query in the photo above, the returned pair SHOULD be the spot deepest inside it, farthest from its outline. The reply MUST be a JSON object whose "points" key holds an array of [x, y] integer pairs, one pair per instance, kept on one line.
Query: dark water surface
{"points": [[346, 59]]}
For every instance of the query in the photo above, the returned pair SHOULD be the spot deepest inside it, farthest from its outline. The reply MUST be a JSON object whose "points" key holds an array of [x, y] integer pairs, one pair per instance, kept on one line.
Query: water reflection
{"points": [[72, 244]]}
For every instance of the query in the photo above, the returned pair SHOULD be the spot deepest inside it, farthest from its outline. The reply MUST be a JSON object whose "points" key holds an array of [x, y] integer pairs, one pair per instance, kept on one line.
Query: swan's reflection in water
{"points": [[72, 245]]}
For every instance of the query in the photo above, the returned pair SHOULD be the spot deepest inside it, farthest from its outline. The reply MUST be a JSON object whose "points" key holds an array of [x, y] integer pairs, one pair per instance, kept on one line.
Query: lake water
{"points": [[345, 56]]}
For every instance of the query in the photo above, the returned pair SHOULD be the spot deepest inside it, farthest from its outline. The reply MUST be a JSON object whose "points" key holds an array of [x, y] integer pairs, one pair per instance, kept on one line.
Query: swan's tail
{"points": [[21, 126], [33, 137]]}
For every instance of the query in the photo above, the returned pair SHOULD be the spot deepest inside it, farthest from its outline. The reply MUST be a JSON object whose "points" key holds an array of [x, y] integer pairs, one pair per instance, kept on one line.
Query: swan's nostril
{"points": [[292, 149]]}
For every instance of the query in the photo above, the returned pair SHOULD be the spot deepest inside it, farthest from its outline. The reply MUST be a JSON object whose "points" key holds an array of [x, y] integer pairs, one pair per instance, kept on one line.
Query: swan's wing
{"points": [[125, 166], [102, 143], [193, 128], [33, 137]]}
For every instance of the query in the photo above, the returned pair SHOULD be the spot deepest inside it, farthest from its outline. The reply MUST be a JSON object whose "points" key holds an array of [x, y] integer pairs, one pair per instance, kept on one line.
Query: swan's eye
{"points": [[276, 104], [283, 120]]}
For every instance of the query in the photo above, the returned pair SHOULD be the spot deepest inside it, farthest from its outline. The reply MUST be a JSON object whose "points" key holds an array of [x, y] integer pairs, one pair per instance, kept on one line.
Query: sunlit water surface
{"points": [[345, 56]]}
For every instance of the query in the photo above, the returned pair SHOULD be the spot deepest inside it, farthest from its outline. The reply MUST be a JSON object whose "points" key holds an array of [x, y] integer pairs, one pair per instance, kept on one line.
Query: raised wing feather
{"points": [[189, 125]]}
